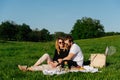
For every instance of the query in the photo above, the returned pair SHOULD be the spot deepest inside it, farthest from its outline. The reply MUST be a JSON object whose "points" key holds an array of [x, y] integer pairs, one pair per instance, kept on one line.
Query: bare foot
{"points": [[22, 68], [30, 69]]}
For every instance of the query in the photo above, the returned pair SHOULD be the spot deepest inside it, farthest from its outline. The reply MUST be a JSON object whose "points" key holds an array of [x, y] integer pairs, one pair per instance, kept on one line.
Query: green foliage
{"points": [[11, 31], [8, 30], [44, 35], [82, 29], [87, 28], [23, 32], [34, 36], [40, 35], [27, 53], [112, 33], [59, 34]]}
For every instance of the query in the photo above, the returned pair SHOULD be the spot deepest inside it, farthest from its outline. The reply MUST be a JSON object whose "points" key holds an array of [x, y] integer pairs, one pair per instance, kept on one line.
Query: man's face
{"points": [[67, 43]]}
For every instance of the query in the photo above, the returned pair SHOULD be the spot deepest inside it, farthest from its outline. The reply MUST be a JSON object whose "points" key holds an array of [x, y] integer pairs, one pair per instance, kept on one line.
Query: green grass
{"points": [[27, 53]]}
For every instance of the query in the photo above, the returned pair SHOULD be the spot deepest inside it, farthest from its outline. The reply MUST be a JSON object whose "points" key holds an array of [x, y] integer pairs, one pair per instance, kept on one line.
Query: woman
{"points": [[60, 53]]}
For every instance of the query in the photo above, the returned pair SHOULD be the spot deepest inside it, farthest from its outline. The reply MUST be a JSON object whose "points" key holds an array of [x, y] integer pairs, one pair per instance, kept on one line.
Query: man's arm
{"points": [[69, 57]]}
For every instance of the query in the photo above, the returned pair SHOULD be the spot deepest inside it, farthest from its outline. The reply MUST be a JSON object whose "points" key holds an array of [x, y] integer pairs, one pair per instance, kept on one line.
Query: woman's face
{"points": [[61, 43]]}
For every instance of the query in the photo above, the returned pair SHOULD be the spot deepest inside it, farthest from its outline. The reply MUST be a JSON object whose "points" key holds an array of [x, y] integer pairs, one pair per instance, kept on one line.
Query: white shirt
{"points": [[75, 49]]}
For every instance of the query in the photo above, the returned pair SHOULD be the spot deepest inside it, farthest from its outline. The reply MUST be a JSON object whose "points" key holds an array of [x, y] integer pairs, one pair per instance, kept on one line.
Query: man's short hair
{"points": [[69, 37]]}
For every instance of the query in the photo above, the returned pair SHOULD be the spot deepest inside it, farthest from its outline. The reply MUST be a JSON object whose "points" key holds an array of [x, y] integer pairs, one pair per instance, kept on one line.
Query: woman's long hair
{"points": [[57, 44]]}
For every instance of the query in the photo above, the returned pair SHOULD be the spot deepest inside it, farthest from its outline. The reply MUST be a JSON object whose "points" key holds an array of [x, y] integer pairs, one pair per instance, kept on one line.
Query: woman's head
{"points": [[59, 44]]}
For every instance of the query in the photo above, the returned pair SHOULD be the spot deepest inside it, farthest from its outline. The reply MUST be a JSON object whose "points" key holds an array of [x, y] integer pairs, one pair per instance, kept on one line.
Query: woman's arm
{"points": [[55, 57], [69, 57]]}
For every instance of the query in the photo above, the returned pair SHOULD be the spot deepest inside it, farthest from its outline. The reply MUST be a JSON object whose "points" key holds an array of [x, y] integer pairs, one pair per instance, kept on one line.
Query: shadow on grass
{"points": [[86, 63], [108, 64]]}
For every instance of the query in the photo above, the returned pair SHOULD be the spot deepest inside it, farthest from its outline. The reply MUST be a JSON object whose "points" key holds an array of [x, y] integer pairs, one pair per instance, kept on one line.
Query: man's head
{"points": [[68, 41]]}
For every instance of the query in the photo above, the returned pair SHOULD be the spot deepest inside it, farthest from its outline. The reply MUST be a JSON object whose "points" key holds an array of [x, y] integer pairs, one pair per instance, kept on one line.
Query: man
{"points": [[75, 53]]}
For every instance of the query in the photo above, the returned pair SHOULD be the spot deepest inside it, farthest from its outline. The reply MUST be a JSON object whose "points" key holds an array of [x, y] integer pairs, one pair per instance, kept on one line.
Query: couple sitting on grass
{"points": [[66, 50]]}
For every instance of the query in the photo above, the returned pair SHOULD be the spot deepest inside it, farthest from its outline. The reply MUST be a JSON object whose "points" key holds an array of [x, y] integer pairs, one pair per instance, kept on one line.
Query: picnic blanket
{"points": [[58, 71]]}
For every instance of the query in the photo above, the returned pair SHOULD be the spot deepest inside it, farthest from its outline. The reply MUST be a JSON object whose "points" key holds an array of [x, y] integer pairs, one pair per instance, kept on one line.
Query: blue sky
{"points": [[60, 15]]}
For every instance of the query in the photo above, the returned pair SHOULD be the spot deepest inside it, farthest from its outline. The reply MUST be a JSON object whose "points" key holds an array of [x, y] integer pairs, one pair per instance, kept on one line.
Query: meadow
{"points": [[27, 53]]}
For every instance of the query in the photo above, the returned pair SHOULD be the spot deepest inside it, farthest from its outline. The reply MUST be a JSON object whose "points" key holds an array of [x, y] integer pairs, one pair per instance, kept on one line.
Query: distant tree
{"points": [[23, 33], [117, 33], [109, 33], [34, 36], [8, 30], [44, 35], [112, 33], [87, 28], [11, 31], [59, 34]]}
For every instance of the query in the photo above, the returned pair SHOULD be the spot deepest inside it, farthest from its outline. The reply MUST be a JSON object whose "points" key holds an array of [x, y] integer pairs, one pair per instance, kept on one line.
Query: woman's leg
{"points": [[36, 66], [45, 57], [40, 68]]}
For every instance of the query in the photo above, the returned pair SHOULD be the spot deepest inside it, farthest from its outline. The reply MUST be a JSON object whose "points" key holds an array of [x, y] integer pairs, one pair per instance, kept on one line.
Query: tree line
{"points": [[83, 28], [10, 31]]}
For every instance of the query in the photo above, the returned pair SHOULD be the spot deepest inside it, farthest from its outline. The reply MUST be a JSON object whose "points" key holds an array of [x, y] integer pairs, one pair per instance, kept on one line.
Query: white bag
{"points": [[98, 60]]}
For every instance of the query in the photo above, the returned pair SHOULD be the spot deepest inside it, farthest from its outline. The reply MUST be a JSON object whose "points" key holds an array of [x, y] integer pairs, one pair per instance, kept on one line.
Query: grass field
{"points": [[27, 53]]}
